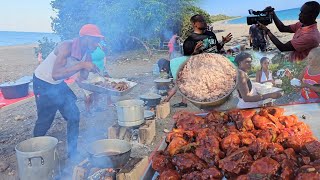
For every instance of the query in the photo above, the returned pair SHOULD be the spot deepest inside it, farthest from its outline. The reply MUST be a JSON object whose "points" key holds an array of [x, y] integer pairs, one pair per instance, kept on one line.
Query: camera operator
{"points": [[306, 34], [258, 38]]}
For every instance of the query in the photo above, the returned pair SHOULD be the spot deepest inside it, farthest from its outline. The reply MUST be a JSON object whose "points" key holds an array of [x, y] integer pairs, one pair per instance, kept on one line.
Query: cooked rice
{"points": [[207, 77]]}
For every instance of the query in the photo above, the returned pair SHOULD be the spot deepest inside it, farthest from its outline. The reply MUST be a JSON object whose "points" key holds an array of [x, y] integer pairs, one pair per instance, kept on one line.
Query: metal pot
{"points": [[130, 112], [162, 84], [37, 158], [151, 99], [109, 153]]}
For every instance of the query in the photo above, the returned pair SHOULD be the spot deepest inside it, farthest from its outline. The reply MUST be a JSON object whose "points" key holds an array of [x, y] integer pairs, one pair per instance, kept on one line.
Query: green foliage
{"points": [[119, 20], [220, 17], [296, 69], [45, 46]]}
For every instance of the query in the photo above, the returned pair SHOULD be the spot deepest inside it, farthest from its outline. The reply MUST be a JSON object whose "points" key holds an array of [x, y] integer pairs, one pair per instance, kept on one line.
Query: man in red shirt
{"points": [[306, 34]]}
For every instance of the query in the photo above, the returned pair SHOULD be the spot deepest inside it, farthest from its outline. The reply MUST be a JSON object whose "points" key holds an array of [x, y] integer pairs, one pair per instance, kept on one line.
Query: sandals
{"points": [[180, 104]]}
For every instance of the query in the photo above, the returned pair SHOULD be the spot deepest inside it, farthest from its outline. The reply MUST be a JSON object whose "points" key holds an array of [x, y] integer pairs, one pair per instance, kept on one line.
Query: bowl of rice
{"points": [[207, 79]]}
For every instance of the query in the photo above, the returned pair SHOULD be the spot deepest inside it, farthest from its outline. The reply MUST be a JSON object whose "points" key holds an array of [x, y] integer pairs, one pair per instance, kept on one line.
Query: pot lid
{"points": [[148, 114], [162, 80], [150, 96]]}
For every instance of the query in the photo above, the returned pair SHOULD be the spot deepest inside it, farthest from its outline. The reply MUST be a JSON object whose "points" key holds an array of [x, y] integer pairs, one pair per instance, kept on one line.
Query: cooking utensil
{"points": [[109, 153], [37, 158], [89, 85], [151, 99], [130, 112], [148, 114], [207, 105], [162, 84]]}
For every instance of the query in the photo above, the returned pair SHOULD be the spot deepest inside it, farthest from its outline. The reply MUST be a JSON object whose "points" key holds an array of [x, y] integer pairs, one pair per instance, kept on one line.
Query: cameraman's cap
{"points": [[90, 30]]}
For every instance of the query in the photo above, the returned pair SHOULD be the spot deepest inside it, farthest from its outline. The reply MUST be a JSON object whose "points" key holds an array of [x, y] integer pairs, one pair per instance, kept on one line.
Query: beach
{"points": [[240, 32]]}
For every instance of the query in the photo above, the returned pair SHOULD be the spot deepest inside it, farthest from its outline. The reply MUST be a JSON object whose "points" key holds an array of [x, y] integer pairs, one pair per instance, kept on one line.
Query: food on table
{"points": [[239, 144], [207, 77], [120, 86], [278, 81]]}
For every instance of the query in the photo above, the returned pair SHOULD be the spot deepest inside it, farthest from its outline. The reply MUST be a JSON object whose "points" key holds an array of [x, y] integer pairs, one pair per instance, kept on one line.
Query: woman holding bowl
{"points": [[248, 96]]}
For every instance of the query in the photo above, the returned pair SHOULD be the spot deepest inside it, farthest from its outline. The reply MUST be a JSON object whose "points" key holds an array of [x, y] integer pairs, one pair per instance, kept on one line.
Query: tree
{"points": [[120, 20]]}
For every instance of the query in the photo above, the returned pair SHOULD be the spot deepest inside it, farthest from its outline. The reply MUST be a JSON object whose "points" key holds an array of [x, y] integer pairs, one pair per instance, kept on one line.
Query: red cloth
{"points": [[304, 39], [310, 79], [7, 102], [76, 49]]}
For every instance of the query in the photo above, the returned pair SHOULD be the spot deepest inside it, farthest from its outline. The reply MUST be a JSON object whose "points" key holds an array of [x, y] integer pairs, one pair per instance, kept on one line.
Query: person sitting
{"points": [[248, 96], [164, 68], [306, 34], [264, 74], [310, 78]]}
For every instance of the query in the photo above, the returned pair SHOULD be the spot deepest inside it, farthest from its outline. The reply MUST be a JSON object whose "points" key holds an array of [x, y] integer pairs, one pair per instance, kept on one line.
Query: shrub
{"points": [[45, 46]]}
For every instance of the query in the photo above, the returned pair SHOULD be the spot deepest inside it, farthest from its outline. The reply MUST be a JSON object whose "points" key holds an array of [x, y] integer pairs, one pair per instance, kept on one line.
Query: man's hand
{"points": [[198, 46], [89, 66], [269, 9], [263, 27], [227, 38]]}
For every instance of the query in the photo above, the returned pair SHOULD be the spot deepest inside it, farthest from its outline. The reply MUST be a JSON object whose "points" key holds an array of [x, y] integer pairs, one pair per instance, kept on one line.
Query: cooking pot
{"points": [[162, 84], [151, 99], [130, 112], [109, 153], [37, 158], [13, 90]]}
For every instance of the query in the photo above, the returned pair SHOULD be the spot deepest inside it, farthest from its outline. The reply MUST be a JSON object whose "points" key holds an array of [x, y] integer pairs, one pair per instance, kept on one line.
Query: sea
{"points": [[12, 38], [289, 14]]}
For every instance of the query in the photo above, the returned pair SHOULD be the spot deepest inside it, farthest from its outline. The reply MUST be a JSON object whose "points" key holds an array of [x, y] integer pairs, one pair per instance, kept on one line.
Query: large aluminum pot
{"points": [[130, 112], [109, 153], [207, 105], [37, 158]]}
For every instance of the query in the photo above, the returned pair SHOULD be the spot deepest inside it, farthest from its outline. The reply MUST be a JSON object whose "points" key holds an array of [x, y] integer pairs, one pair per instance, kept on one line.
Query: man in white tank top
{"points": [[52, 93]]}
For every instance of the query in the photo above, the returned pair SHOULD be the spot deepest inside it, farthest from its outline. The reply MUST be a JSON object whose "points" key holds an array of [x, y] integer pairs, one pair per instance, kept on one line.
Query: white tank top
{"points": [[44, 70], [264, 77]]}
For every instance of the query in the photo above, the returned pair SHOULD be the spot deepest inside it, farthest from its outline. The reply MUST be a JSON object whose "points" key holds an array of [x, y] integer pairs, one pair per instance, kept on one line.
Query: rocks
{"points": [[3, 166], [19, 118]]}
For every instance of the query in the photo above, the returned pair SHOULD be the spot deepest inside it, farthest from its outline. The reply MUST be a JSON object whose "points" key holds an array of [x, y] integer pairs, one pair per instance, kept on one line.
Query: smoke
{"points": [[120, 20]]}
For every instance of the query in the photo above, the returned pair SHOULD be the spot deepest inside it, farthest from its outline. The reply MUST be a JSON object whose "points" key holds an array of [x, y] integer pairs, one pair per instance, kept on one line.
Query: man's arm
{"points": [[59, 70], [281, 46], [281, 27]]}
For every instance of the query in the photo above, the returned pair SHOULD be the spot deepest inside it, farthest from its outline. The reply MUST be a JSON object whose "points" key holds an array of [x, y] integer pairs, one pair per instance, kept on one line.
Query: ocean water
{"points": [[11, 38], [289, 14]]}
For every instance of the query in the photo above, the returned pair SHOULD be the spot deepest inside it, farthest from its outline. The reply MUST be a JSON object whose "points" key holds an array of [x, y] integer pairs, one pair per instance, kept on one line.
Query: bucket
{"points": [[37, 158], [130, 112]]}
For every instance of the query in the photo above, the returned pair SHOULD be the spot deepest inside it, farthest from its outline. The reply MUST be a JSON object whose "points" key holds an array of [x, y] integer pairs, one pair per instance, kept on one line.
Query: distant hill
{"points": [[221, 17]]}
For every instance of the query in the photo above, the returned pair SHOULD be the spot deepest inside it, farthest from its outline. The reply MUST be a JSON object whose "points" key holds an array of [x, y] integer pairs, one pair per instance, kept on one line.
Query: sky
{"points": [[34, 15], [26, 15], [241, 7]]}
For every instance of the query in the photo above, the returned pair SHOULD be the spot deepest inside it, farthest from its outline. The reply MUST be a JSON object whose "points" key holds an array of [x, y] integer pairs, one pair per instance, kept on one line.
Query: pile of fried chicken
{"points": [[120, 86], [239, 144]]}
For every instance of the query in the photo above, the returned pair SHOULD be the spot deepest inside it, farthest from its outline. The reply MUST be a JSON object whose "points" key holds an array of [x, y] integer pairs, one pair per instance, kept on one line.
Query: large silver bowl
{"points": [[210, 104]]}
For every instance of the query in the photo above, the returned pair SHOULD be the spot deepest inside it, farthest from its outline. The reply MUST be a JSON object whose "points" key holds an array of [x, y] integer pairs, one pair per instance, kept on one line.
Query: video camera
{"points": [[264, 17]]}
